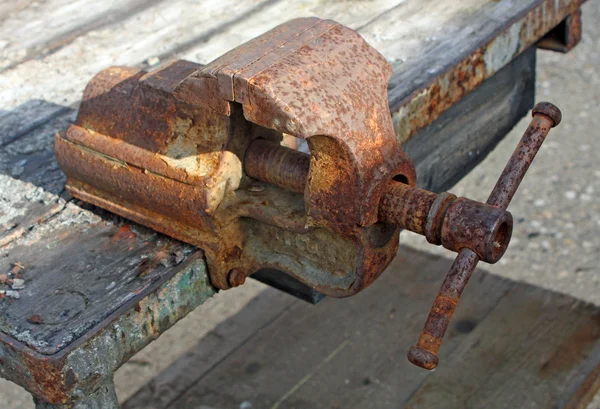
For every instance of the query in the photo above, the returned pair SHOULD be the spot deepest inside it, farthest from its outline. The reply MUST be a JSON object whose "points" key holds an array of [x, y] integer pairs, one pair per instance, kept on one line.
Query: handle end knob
{"points": [[548, 109], [423, 358]]}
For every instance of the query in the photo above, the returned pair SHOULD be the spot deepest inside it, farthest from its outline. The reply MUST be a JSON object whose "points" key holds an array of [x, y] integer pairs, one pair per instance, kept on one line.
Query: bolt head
{"points": [[236, 277]]}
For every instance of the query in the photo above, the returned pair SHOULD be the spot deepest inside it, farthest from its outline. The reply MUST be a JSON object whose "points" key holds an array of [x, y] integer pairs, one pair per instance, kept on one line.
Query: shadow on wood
{"points": [[510, 345]]}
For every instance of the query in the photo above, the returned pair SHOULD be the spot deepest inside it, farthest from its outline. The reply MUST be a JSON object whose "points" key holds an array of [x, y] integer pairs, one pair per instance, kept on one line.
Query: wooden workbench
{"points": [[98, 289]]}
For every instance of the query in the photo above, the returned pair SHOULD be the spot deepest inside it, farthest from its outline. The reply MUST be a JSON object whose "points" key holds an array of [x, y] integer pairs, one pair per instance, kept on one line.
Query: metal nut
{"points": [[236, 277]]}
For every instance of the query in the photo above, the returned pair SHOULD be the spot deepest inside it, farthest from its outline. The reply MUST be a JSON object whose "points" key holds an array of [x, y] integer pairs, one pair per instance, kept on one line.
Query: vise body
{"points": [[196, 153]]}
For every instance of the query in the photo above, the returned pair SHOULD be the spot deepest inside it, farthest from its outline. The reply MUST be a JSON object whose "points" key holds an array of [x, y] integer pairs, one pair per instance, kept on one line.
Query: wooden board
{"points": [[80, 266], [511, 345], [413, 35], [41, 28]]}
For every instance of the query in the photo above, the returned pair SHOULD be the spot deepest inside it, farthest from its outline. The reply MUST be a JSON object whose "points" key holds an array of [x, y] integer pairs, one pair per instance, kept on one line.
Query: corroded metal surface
{"points": [[281, 166], [424, 354], [564, 37], [453, 222], [424, 105], [314, 86], [447, 220], [166, 149]]}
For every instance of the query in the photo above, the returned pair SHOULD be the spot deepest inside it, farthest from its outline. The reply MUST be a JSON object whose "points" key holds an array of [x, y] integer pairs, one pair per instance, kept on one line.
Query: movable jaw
{"points": [[318, 80], [167, 149]]}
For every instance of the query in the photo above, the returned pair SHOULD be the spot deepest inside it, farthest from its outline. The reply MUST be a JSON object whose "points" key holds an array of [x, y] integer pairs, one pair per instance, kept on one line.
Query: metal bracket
{"points": [[565, 36]]}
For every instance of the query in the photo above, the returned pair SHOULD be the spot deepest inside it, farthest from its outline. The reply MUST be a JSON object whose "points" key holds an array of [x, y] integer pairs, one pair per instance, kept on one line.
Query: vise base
{"points": [[167, 150]]}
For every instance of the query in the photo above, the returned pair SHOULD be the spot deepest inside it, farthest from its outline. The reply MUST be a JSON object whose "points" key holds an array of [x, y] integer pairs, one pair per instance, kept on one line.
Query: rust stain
{"points": [[45, 379], [35, 319], [426, 104], [123, 233], [424, 353]]}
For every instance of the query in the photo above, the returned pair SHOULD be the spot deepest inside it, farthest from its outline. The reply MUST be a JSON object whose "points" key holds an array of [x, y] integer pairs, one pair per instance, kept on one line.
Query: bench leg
{"points": [[104, 397]]}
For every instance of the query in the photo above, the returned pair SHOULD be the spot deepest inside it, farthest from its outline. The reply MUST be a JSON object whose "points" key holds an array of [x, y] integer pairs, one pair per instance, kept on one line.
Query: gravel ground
{"points": [[556, 242]]}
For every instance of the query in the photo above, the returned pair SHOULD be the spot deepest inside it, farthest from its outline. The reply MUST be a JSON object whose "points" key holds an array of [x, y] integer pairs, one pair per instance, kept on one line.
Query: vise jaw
{"points": [[168, 148]]}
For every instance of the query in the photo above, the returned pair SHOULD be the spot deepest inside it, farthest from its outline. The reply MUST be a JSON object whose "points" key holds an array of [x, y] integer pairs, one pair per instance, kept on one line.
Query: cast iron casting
{"points": [[196, 152]]}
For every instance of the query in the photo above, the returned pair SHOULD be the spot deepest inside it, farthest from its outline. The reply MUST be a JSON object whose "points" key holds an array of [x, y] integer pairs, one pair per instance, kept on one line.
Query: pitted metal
{"points": [[167, 148], [196, 153]]}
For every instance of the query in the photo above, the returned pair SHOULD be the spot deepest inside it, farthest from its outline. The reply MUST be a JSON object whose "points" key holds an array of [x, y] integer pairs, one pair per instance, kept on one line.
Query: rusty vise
{"points": [[196, 152]]}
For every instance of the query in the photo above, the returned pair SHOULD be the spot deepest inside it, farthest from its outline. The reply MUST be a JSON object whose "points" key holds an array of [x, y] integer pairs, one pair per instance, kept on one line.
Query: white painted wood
{"points": [[61, 76], [354, 14], [40, 26]]}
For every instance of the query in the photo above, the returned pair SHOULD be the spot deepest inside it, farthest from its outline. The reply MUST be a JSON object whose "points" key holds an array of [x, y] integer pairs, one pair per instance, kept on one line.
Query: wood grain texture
{"points": [[31, 182], [150, 32], [43, 27], [351, 353], [534, 350], [199, 361], [79, 267], [416, 37]]}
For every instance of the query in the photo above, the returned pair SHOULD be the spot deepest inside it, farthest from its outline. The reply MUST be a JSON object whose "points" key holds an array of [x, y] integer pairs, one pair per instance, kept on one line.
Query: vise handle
{"points": [[424, 354]]}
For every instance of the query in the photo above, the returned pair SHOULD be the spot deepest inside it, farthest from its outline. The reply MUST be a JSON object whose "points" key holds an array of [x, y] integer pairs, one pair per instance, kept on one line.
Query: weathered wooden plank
{"points": [[26, 118], [351, 353], [534, 350], [31, 157], [354, 14], [151, 32], [22, 206], [79, 267], [164, 30], [359, 338], [31, 181], [196, 363], [43, 27], [410, 29]]}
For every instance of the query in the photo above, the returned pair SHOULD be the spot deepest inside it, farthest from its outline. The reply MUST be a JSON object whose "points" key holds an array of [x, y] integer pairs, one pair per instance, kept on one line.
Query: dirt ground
{"points": [[556, 242]]}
